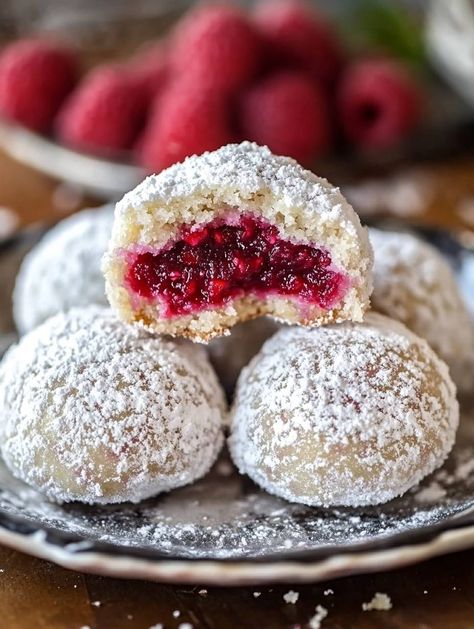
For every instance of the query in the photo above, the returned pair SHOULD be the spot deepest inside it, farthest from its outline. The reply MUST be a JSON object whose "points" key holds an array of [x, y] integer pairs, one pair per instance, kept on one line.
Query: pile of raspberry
{"points": [[278, 76]]}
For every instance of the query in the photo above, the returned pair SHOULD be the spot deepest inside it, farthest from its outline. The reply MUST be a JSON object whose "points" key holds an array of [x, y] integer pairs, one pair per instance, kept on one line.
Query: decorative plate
{"points": [[224, 530]]}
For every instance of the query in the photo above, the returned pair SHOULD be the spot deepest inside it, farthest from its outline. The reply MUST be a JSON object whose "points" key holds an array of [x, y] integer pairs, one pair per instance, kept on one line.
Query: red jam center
{"points": [[223, 260]]}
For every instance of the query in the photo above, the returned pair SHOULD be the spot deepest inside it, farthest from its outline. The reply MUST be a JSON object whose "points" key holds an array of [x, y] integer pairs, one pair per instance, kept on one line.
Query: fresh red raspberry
{"points": [[218, 46], [378, 102], [186, 120], [287, 111], [297, 35], [149, 67], [104, 114], [35, 77]]}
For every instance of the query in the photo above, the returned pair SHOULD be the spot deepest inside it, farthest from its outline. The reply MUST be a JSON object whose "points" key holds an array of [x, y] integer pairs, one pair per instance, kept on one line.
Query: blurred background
{"points": [[377, 96]]}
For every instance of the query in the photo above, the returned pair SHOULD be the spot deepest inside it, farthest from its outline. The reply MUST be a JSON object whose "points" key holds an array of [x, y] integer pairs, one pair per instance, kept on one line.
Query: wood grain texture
{"points": [[35, 594]]}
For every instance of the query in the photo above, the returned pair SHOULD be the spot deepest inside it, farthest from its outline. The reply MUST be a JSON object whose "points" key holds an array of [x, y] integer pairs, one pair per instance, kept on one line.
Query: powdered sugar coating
{"points": [[350, 414], [414, 284], [243, 177], [99, 412], [64, 269]]}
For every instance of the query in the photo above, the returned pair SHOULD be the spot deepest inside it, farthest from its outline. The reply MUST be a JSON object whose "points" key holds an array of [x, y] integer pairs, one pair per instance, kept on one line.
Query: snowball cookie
{"points": [[231, 235], [414, 284], [99, 412], [63, 269], [229, 354], [350, 414]]}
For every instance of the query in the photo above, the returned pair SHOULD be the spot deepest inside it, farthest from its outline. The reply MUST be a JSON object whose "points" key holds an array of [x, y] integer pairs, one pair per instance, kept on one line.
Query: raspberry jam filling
{"points": [[226, 259]]}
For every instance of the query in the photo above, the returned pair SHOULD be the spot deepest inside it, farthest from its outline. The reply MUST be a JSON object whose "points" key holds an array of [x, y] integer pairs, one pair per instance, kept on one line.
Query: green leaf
{"points": [[390, 28]]}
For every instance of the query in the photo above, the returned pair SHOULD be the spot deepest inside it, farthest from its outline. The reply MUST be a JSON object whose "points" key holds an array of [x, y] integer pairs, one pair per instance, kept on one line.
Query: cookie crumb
{"points": [[319, 616], [380, 602], [291, 597]]}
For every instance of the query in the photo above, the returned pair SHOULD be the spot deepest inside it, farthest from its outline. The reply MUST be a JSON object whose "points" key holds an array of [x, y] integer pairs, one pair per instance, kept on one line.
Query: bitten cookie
{"points": [[233, 234]]}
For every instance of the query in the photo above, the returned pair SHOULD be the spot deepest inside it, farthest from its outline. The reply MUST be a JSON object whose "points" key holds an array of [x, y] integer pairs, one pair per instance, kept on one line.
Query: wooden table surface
{"points": [[438, 594]]}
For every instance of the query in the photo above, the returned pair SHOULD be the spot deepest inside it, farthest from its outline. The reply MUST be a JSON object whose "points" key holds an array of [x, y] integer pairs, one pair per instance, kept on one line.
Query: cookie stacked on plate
{"points": [[339, 407]]}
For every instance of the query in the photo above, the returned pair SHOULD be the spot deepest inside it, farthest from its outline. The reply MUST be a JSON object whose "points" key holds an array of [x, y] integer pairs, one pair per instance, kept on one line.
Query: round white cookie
{"points": [[414, 284], [96, 411], [349, 414], [63, 269]]}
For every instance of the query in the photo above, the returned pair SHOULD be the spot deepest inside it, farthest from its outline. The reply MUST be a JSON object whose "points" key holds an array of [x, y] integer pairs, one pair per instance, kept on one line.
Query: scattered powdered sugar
{"points": [[348, 414], [414, 283], [63, 269], [185, 625], [64, 433], [176, 613], [211, 519], [316, 621], [256, 594], [291, 597], [380, 602], [328, 592]]}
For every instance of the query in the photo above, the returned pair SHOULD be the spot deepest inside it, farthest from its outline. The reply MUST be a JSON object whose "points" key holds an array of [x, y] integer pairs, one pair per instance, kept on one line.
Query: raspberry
{"points": [[286, 111], [378, 102], [186, 120], [149, 68], [296, 35], [104, 114], [35, 77], [217, 45]]}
